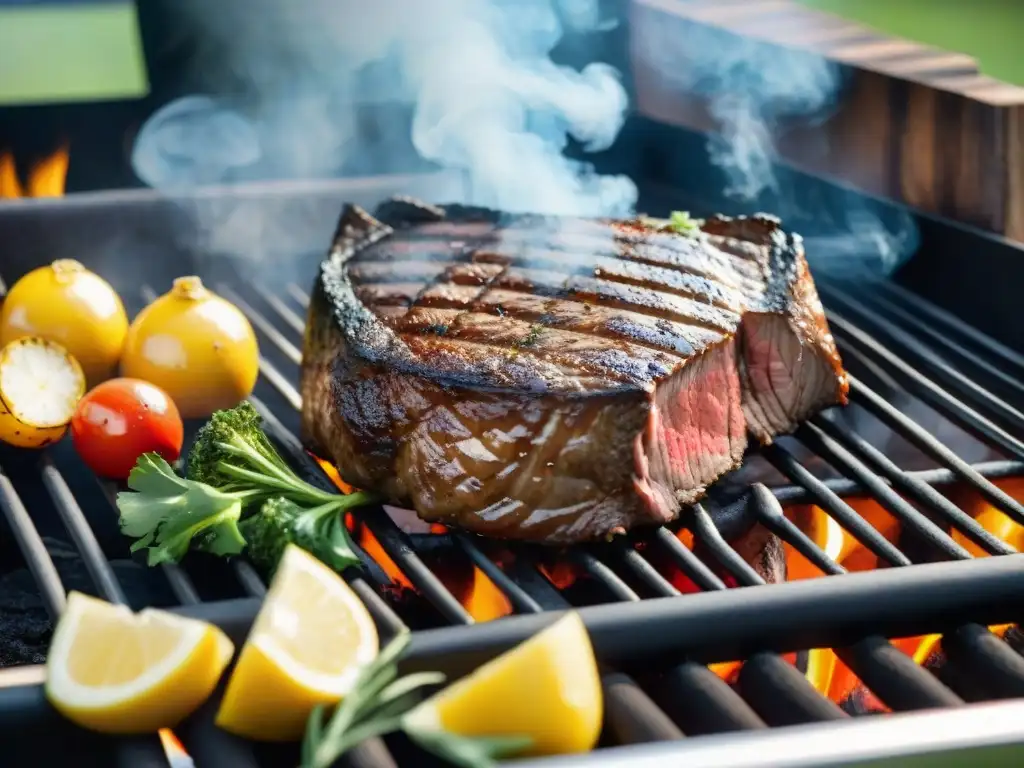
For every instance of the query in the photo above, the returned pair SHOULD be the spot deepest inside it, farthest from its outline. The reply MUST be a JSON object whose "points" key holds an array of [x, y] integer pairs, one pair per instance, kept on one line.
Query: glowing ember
{"points": [[373, 548], [332, 473], [562, 574], [45, 179]]}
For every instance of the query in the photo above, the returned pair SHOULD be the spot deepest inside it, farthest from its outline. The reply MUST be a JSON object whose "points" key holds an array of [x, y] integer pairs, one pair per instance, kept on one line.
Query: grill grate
{"points": [[644, 703]]}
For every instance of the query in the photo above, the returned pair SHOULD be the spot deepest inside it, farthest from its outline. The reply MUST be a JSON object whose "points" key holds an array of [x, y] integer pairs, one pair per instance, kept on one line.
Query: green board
{"points": [[54, 52], [988, 30]]}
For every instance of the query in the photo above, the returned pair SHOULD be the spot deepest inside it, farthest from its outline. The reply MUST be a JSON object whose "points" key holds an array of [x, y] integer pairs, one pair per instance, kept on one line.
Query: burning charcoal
{"points": [[25, 626]]}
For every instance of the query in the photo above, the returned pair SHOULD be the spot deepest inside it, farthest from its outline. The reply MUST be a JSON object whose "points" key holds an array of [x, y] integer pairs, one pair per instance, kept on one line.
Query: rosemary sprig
{"points": [[374, 707], [379, 704], [476, 752]]}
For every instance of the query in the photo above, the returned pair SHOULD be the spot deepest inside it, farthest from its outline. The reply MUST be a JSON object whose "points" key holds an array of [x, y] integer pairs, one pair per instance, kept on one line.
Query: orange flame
{"points": [[177, 756], [834, 678], [46, 178], [477, 593], [825, 671]]}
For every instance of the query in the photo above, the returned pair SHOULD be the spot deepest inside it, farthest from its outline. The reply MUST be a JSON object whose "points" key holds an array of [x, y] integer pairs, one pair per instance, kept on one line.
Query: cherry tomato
{"points": [[120, 420]]}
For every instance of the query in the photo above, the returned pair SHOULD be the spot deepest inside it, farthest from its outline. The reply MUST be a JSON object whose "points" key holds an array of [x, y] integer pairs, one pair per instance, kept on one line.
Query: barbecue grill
{"points": [[663, 703]]}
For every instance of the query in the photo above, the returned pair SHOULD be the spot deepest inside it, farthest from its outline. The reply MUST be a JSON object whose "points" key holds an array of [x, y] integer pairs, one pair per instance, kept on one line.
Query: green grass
{"points": [[70, 53], [988, 30]]}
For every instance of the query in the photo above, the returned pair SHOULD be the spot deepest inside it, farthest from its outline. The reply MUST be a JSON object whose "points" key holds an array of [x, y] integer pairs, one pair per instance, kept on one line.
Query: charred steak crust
{"points": [[556, 379]]}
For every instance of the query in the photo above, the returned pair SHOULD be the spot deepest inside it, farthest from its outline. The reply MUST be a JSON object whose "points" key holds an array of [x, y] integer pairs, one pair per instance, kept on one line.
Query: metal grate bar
{"points": [[767, 507], [895, 677], [251, 582], [934, 395], [987, 659], [398, 547], [691, 566], [267, 328], [937, 478], [934, 336], [906, 427], [286, 313], [703, 703], [616, 587], [705, 530], [839, 510], [902, 683], [300, 296], [38, 560], [629, 560], [71, 515], [910, 485], [837, 455], [781, 695], [904, 297], [919, 355]]}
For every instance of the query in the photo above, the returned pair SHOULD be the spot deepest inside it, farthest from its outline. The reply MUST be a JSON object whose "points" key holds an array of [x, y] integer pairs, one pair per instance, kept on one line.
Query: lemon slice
{"points": [[310, 640], [547, 689], [115, 671], [40, 385]]}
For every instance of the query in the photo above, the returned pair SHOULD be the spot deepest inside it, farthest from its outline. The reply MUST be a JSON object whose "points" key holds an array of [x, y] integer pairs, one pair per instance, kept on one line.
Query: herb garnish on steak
{"points": [[557, 379]]}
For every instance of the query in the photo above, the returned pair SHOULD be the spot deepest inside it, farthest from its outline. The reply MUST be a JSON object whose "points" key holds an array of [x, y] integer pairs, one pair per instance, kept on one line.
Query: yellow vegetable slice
{"points": [[115, 671], [547, 689], [310, 640], [40, 385]]}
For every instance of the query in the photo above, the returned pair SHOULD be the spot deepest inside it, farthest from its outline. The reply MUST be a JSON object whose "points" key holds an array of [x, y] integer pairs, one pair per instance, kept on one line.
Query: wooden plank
{"points": [[915, 124]]}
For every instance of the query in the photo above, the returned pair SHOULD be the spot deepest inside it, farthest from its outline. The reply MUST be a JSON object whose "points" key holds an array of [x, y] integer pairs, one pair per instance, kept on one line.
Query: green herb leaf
{"points": [[168, 514], [374, 707], [680, 221]]}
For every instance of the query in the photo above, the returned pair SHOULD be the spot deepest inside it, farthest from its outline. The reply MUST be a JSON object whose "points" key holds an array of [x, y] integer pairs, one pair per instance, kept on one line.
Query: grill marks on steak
{"points": [[557, 379]]}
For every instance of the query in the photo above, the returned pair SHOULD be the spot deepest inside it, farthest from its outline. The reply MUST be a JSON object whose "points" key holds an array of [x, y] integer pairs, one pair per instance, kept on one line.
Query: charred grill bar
{"points": [[657, 686]]}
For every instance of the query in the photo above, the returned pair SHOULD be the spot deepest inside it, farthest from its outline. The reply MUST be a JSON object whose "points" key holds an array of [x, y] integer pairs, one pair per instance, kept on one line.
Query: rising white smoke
{"points": [[755, 92], [288, 84]]}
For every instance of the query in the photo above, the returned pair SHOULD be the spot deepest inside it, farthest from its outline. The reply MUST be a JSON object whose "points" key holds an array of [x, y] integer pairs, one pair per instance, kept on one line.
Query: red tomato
{"points": [[122, 419]]}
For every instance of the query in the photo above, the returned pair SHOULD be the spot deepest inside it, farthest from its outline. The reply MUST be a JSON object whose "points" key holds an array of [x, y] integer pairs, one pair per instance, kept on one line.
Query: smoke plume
{"points": [[755, 92], [316, 89]]}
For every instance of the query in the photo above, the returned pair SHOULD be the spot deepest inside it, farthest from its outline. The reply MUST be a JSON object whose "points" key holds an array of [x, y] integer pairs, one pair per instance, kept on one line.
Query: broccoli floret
{"points": [[232, 452], [319, 530], [234, 471]]}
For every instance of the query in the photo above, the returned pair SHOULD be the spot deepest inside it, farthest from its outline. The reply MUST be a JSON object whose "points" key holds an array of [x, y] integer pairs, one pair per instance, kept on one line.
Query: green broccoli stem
{"points": [[340, 503], [270, 474], [244, 450], [296, 490]]}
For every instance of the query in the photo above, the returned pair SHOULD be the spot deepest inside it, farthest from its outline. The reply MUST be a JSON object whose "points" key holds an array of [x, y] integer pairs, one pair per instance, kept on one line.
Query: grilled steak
{"points": [[556, 379]]}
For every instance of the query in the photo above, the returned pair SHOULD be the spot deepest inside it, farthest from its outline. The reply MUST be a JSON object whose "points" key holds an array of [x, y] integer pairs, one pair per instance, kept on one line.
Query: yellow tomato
{"points": [[196, 346], [66, 303]]}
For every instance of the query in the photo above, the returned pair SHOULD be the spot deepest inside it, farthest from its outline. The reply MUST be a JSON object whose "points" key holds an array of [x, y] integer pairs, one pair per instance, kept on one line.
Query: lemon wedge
{"points": [[307, 646], [547, 689], [115, 671], [40, 385]]}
